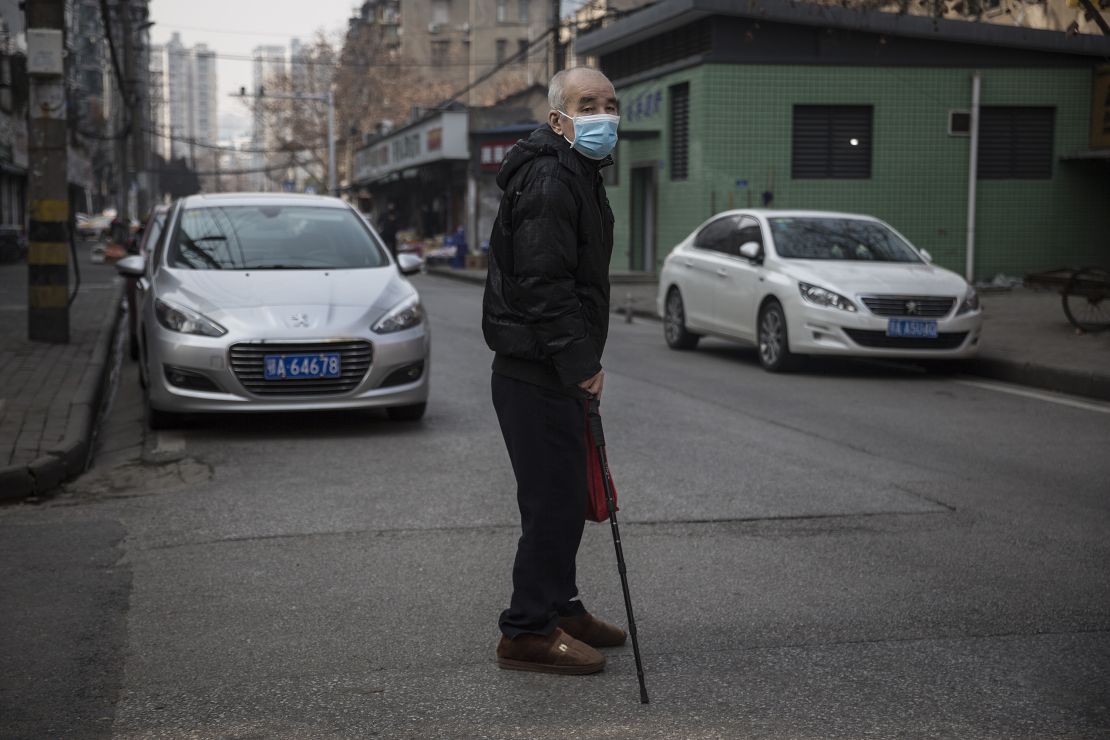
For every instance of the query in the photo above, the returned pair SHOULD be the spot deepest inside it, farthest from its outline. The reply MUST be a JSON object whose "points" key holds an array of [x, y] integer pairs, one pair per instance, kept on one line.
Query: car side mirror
{"points": [[926, 256], [751, 251], [409, 264], [133, 266]]}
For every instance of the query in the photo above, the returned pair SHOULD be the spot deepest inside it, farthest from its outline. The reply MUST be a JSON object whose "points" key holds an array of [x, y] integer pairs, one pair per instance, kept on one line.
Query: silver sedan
{"points": [[266, 302]]}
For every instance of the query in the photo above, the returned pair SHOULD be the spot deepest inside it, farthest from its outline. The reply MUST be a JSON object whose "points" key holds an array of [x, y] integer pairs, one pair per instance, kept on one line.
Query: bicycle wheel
{"points": [[1086, 299]]}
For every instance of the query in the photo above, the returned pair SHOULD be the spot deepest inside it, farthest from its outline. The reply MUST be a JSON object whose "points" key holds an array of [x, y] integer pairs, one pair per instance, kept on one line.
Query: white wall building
{"points": [[192, 95], [158, 102], [205, 113], [179, 85]]}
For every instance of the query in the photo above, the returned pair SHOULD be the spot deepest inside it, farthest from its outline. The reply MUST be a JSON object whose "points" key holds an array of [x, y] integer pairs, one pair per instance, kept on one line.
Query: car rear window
{"points": [[839, 239], [273, 237]]}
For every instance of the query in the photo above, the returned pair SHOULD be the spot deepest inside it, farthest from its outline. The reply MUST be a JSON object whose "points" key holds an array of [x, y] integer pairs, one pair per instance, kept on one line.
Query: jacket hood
{"points": [[543, 142]]}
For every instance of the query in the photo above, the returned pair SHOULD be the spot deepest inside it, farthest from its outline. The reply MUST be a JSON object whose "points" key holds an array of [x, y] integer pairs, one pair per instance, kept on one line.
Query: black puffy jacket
{"points": [[545, 312]]}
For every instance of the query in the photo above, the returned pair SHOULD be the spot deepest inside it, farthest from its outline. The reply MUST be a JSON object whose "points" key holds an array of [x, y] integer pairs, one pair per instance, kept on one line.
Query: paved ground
{"points": [[856, 550], [1026, 337], [45, 401]]}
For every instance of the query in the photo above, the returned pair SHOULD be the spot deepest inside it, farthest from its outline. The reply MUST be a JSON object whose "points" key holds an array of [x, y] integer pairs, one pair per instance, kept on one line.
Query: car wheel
{"points": [[774, 343], [674, 323], [414, 412]]}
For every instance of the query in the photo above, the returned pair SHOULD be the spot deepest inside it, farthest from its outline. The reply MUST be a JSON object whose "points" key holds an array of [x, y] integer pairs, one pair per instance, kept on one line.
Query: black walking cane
{"points": [[593, 410]]}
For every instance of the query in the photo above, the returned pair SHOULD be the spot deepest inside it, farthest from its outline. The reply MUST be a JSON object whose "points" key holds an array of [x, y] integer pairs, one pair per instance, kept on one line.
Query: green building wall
{"points": [[740, 124]]}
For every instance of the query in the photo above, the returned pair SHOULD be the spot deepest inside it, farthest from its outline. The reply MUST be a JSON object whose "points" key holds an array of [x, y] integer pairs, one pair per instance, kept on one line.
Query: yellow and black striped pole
{"points": [[48, 236]]}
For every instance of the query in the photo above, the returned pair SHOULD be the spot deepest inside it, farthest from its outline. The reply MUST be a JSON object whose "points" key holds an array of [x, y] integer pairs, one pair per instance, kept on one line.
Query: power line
{"points": [[235, 33], [337, 64], [230, 150], [253, 171]]}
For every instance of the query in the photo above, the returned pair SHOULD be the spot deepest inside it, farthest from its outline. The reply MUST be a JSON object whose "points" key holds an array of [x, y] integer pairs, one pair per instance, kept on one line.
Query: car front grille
{"points": [[926, 307], [879, 340], [248, 363]]}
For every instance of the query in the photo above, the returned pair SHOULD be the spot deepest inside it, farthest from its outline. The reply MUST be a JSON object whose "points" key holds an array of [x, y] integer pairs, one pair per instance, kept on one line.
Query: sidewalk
{"points": [[1026, 338], [50, 394]]}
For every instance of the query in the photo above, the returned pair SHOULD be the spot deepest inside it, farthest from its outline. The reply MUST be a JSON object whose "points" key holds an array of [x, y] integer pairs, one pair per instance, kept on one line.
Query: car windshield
{"points": [[839, 239], [273, 237]]}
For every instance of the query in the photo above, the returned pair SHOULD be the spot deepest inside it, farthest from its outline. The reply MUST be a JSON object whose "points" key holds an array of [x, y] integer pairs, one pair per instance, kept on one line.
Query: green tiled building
{"points": [[737, 104]]}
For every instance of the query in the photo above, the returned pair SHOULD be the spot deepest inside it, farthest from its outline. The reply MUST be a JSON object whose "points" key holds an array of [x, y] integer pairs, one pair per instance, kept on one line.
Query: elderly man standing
{"points": [[546, 316]]}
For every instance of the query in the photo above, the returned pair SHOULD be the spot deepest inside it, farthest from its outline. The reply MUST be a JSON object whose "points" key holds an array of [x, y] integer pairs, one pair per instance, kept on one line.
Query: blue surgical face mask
{"points": [[595, 136]]}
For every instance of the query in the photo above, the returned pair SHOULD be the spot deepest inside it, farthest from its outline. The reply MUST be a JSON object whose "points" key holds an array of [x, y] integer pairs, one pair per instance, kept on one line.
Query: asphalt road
{"points": [[857, 550]]}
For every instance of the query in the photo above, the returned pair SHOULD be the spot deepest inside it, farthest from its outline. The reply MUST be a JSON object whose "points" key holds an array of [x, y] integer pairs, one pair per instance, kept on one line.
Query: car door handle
{"points": [[689, 263], [722, 272]]}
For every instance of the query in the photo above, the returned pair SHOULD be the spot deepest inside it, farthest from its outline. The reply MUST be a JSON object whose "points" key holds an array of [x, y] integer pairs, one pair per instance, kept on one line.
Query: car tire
{"points": [[774, 341], [413, 412], [674, 323]]}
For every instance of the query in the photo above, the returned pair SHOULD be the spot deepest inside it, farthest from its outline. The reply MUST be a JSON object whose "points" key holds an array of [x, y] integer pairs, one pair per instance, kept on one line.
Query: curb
{"points": [[1073, 382], [70, 458]]}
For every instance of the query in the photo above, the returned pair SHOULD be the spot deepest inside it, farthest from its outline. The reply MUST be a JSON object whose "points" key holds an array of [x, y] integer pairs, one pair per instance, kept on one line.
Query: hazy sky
{"points": [[235, 27]]}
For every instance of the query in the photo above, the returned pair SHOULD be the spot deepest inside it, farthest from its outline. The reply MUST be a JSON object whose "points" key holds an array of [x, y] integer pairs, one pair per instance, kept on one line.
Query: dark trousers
{"points": [[545, 434]]}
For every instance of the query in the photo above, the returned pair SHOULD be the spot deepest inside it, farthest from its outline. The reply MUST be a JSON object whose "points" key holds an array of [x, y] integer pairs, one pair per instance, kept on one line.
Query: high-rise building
{"points": [[179, 85], [451, 43], [192, 96], [160, 145], [205, 119]]}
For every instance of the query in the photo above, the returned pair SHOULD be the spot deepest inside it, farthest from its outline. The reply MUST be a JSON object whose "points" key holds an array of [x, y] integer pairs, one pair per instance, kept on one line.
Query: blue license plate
{"points": [[912, 328], [302, 367]]}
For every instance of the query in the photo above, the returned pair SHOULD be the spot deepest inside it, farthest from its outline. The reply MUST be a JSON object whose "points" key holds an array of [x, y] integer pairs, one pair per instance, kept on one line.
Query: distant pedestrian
{"points": [[546, 317], [388, 228]]}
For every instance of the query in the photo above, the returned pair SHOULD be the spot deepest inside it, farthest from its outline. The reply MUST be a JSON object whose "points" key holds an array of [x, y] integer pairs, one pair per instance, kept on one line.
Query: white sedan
{"points": [[814, 283]]}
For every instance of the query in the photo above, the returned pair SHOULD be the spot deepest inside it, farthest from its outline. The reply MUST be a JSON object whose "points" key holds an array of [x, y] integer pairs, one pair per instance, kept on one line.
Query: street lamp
{"points": [[327, 98]]}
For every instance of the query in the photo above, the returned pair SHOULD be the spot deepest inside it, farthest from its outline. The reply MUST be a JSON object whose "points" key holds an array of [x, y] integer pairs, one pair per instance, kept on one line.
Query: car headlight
{"points": [[405, 315], [185, 320], [971, 302], [828, 299]]}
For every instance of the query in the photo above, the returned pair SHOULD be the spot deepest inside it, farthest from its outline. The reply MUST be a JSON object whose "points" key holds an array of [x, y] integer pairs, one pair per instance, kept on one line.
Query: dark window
{"points": [[750, 231], [680, 131], [839, 239], [682, 43], [440, 52], [831, 141], [959, 123], [522, 50], [522, 11], [719, 235], [502, 46], [1016, 143], [272, 236]]}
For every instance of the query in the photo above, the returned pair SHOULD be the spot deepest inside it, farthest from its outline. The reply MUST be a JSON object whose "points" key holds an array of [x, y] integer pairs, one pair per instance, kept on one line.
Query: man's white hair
{"points": [[557, 88]]}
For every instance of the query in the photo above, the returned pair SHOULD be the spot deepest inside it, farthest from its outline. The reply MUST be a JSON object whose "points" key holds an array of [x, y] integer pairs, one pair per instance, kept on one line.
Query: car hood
{"points": [[886, 278], [285, 298]]}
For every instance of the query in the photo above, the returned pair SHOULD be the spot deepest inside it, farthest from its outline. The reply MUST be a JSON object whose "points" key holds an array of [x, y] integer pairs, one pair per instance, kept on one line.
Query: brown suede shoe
{"points": [[593, 631], [554, 653]]}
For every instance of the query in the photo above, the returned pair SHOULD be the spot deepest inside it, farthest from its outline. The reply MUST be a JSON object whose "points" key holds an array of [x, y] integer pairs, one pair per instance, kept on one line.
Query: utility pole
{"points": [[124, 142], [48, 256], [558, 52]]}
